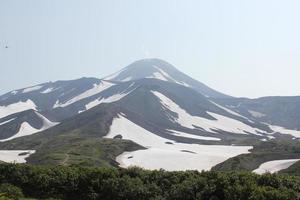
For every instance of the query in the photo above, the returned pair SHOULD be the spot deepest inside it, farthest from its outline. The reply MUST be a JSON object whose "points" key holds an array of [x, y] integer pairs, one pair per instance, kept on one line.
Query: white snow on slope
{"points": [[283, 130], [110, 99], [275, 166], [7, 121], [31, 89], [167, 76], [162, 75], [46, 122], [231, 125], [97, 88], [157, 75], [172, 157], [256, 114], [228, 110], [13, 156], [192, 136], [127, 79], [221, 123], [16, 107], [26, 129], [48, 90]]}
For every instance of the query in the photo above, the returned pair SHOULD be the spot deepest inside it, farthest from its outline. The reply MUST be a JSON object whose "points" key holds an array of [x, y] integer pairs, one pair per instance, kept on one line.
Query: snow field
{"points": [[26, 129], [16, 107], [221, 123], [97, 88], [275, 166], [13, 156], [168, 154]]}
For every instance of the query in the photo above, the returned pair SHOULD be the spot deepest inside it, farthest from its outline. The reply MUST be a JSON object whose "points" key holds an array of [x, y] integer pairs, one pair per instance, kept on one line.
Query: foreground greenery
{"points": [[70, 150], [264, 152], [36, 182]]}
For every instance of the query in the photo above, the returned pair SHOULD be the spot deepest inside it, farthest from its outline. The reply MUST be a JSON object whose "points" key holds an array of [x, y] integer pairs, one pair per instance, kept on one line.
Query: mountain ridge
{"points": [[177, 116]]}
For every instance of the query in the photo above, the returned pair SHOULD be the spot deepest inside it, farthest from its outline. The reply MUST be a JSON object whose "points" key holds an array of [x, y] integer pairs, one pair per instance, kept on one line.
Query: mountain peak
{"points": [[152, 62], [145, 68], [155, 68]]}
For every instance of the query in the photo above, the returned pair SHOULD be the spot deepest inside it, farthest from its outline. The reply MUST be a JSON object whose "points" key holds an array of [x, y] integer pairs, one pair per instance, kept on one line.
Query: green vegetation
{"points": [[61, 182], [11, 191], [77, 141], [262, 152], [293, 170], [88, 152], [78, 150]]}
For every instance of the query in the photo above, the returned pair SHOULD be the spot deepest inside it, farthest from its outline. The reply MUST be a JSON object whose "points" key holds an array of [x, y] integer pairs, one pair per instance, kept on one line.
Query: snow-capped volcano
{"points": [[161, 70], [134, 87], [152, 104]]}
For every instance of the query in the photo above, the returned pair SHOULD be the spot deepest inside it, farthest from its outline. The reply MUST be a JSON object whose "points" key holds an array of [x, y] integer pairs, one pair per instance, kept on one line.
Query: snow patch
{"points": [[97, 88], [256, 114], [275, 166], [2, 123], [127, 79], [48, 90], [271, 137], [231, 125], [26, 129], [192, 136], [168, 154], [46, 122], [228, 110], [167, 76], [157, 75], [16, 107], [15, 156], [283, 130], [110, 99], [31, 89], [162, 75], [221, 123]]}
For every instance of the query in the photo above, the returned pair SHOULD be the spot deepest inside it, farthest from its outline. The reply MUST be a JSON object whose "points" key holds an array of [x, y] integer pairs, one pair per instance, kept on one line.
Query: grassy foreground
{"points": [[60, 182]]}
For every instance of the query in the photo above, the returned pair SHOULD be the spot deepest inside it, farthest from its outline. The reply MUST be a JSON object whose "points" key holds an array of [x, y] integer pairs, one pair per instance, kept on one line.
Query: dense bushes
{"points": [[10, 191], [110, 183]]}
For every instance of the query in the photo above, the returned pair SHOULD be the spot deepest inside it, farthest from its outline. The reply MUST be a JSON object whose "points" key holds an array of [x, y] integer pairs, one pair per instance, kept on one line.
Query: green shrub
{"points": [[110, 183], [11, 191]]}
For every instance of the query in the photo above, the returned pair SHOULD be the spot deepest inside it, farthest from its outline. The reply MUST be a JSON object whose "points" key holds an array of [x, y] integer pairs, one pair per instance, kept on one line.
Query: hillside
{"points": [[150, 110]]}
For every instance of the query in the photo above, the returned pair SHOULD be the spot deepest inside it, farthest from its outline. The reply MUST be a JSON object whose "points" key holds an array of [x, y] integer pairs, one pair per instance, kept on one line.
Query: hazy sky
{"points": [[245, 48]]}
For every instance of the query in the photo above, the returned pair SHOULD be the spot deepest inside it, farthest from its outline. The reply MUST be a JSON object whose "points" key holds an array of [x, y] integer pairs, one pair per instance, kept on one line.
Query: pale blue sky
{"points": [[245, 48]]}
